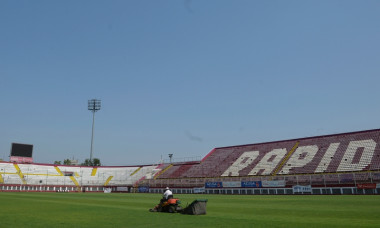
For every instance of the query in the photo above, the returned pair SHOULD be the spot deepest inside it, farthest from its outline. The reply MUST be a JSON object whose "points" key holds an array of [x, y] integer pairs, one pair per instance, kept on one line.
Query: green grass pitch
{"points": [[20, 209]]}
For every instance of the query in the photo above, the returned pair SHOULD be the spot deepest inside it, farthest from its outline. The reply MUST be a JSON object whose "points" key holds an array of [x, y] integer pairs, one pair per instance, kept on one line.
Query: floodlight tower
{"points": [[93, 106]]}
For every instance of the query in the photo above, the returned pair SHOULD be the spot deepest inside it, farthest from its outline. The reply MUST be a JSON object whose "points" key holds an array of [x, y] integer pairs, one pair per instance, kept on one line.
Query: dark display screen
{"points": [[21, 150]]}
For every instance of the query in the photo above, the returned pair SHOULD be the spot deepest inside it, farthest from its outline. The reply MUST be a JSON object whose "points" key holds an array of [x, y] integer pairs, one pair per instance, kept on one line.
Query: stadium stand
{"points": [[335, 160], [35, 176], [340, 163], [177, 170], [357, 151]]}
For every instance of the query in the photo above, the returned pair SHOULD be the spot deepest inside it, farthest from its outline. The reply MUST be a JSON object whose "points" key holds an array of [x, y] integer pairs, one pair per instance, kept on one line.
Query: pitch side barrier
{"points": [[55, 188], [362, 189], [296, 190], [48, 188]]}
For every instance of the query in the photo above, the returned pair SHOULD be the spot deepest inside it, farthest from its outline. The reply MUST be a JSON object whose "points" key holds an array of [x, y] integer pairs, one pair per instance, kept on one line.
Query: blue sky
{"points": [[183, 77]]}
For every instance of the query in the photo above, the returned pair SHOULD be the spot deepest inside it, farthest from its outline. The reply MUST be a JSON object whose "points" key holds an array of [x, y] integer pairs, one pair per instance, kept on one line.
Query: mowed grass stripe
{"points": [[340, 211], [68, 210], [59, 201], [314, 211], [131, 210]]}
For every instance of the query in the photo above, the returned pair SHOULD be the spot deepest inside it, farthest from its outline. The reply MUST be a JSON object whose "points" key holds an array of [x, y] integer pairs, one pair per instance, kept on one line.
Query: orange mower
{"points": [[170, 206]]}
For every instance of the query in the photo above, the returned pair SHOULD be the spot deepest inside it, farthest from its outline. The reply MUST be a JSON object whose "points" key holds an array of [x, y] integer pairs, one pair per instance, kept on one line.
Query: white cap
{"points": [[167, 188]]}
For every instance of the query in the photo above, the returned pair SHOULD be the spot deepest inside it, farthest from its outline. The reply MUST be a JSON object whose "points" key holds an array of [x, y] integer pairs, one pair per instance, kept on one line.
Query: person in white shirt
{"points": [[167, 195]]}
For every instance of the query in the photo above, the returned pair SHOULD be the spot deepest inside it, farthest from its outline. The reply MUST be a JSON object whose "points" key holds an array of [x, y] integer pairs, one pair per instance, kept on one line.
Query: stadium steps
{"points": [[94, 170], [71, 177], [285, 159], [21, 175], [136, 184], [135, 171], [58, 170], [211, 152], [74, 181], [108, 180], [162, 171]]}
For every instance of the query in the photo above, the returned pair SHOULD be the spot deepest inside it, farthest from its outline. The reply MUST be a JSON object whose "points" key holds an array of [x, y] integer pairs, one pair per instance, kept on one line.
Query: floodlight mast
{"points": [[170, 156], [93, 106]]}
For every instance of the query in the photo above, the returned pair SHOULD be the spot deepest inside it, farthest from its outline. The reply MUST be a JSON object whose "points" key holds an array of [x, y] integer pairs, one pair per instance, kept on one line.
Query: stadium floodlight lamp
{"points": [[94, 106]]}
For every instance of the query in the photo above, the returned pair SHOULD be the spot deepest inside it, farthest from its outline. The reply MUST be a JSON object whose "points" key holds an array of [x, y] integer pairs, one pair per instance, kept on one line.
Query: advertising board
{"points": [[302, 188], [366, 186], [274, 183], [213, 185], [231, 184], [251, 184]]}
